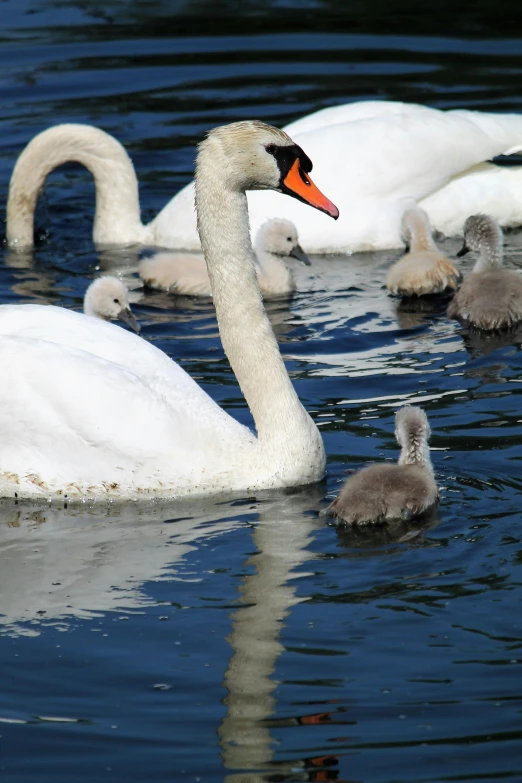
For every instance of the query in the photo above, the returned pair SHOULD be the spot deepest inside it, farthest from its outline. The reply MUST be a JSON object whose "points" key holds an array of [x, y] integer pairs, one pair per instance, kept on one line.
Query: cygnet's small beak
{"points": [[463, 250], [298, 252], [127, 316]]}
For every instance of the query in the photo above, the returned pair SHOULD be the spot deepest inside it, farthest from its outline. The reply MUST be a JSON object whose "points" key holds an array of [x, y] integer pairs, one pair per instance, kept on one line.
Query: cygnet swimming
{"points": [[386, 492], [491, 296], [108, 298], [186, 273], [424, 269]]}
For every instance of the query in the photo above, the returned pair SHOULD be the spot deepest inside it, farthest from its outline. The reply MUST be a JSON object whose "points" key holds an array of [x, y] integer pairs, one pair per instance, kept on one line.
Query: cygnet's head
{"points": [[279, 237], [251, 155], [483, 235], [412, 431], [108, 298]]}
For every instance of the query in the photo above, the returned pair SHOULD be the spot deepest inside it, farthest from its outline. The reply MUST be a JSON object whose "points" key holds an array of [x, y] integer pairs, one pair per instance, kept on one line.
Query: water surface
{"points": [[248, 639]]}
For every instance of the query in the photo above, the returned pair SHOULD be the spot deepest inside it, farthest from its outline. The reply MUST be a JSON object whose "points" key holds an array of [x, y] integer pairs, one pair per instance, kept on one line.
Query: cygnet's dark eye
{"points": [[289, 239], [271, 149], [116, 301]]}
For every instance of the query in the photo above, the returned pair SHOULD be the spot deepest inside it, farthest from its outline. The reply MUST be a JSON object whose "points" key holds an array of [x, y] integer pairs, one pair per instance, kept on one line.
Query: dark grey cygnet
{"points": [[387, 492], [490, 297]]}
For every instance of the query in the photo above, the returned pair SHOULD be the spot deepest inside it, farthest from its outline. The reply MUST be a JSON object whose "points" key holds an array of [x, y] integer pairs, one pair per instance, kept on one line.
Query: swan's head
{"points": [[412, 431], [279, 237], [483, 235], [251, 155], [108, 298]]}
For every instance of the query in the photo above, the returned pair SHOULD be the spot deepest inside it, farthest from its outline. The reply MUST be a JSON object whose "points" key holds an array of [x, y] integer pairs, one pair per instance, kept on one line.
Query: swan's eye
{"points": [[289, 239], [271, 149], [116, 301]]}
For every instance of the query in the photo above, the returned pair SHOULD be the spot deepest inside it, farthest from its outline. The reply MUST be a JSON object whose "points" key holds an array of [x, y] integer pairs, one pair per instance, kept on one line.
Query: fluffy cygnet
{"points": [[186, 273], [387, 492], [424, 269], [491, 296], [108, 298]]}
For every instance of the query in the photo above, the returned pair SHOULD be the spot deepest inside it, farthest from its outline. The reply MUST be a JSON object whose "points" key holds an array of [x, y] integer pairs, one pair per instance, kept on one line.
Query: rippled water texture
{"points": [[247, 640]]}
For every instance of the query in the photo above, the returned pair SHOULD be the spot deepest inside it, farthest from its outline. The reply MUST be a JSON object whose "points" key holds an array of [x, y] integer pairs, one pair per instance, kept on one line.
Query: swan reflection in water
{"points": [[59, 564], [80, 561], [267, 595]]}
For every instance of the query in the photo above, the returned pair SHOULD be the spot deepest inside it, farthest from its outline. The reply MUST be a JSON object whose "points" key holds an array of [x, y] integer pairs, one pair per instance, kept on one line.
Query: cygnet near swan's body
{"points": [[491, 296], [186, 273], [386, 492], [92, 410], [374, 156], [424, 269], [107, 298]]}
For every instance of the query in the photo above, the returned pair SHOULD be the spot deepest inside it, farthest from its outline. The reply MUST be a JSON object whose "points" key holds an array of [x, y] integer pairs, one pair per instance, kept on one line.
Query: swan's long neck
{"points": [[281, 421], [117, 218]]}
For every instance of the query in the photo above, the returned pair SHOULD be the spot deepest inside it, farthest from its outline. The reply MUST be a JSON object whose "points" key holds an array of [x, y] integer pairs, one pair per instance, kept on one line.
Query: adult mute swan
{"points": [[92, 410], [491, 296], [186, 273], [107, 298], [376, 156], [424, 269], [386, 492]]}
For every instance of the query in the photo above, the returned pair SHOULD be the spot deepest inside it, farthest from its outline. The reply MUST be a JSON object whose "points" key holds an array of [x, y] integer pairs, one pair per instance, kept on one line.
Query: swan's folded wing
{"points": [[505, 129], [350, 112], [76, 422], [108, 341]]}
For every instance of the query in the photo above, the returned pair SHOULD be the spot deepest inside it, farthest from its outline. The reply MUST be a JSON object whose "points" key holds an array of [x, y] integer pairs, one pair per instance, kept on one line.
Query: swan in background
{"points": [[386, 492], [424, 269], [117, 211], [107, 298], [186, 273], [374, 157], [491, 296], [92, 410]]}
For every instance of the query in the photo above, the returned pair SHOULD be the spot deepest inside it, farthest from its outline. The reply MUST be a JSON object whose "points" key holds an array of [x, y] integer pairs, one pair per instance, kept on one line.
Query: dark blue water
{"points": [[248, 640]]}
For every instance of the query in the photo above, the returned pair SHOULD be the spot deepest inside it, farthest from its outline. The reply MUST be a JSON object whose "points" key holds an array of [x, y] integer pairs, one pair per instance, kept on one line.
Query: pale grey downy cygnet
{"points": [[276, 241], [490, 297], [108, 298], [386, 492], [424, 269], [186, 273]]}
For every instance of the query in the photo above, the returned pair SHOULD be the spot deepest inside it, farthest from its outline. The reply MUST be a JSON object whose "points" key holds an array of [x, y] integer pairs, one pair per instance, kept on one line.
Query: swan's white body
{"points": [[373, 156], [92, 410], [186, 273]]}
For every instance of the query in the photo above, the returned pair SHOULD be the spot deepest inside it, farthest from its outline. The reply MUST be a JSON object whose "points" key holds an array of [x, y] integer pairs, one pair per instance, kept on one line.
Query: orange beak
{"points": [[301, 186]]}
